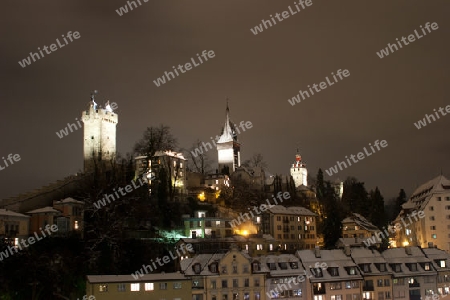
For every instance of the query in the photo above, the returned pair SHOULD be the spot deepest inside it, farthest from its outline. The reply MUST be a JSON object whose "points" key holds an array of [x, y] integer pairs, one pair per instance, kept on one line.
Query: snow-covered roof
{"points": [[360, 221], [436, 255], [332, 258], [68, 200], [401, 256], [285, 265], [47, 209], [292, 210], [10, 213], [371, 257], [129, 278], [227, 135]]}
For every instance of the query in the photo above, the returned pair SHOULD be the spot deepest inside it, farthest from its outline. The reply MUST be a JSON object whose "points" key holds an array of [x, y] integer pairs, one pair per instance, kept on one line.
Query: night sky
{"points": [[120, 56]]}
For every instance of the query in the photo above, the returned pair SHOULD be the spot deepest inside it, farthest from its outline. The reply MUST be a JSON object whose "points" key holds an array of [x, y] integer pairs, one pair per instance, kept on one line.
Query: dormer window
{"points": [[365, 268], [213, 268], [317, 272], [196, 268], [333, 271], [283, 266], [272, 266], [256, 266], [426, 266], [441, 263], [381, 267], [396, 267], [351, 270], [412, 267], [294, 265]]}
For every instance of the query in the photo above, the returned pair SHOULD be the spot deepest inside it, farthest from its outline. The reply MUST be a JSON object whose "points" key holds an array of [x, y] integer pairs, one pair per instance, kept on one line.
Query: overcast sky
{"points": [[121, 56]]}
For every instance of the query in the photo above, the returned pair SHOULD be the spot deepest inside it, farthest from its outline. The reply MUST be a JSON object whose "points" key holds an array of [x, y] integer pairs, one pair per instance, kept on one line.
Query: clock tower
{"points": [[299, 172]]}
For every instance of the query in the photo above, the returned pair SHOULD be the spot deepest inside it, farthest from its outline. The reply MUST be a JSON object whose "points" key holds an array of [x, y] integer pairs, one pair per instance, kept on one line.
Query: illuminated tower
{"points": [[99, 135], [228, 148], [299, 172]]}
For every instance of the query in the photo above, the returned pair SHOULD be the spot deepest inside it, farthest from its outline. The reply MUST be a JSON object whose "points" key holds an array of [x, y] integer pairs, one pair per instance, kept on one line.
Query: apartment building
{"points": [[202, 226], [413, 274], [341, 279], [377, 277], [283, 276], [294, 227], [224, 276], [358, 226], [441, 263], [173, 286], [13, 226], [433, 198]]}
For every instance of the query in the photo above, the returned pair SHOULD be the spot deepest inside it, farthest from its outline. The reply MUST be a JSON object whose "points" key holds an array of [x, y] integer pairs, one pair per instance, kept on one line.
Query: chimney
{"points": [[317, 252], [347, 250], [408, 250]]}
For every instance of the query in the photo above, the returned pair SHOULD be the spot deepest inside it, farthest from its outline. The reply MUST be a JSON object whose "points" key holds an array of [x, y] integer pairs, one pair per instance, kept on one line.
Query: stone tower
{"points": [[99, 135], [299, 172], [228, 148]]}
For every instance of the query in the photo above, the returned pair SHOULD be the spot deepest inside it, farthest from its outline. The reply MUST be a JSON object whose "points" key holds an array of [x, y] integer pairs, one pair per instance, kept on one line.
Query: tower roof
{"points": [[228, 134]]}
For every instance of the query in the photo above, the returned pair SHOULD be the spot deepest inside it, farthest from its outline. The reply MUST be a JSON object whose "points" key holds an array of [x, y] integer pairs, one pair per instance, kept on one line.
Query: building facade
{"points": [[99, 136], [228, 147]]}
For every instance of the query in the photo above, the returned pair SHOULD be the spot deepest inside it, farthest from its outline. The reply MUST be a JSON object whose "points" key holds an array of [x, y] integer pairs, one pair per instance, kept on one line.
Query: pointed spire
{"points": [[227, 134]]}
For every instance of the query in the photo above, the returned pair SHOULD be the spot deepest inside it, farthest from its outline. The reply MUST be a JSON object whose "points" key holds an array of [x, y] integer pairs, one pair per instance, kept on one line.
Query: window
{"points": [[197, 268], [235, 269], [447, 207], [259, 247], [149, 286], [387, 295], [335, 286], [213, 268], [432, 227], [336, 297], [431, 218], [441, 263], [103, 288], [351, 271], [381, 267], [135, 287], [348, 284], [121, 287], [317, 272], [235, 283], [355, 284], [235, 296], [447, 198], [246, 296], [224, 269], [272, 266], [213, 284], [387, 282], [257, 296], [256, 266], [256, 282], [380, 282], [177, 285], [433, 236], [398, 281], [278, 218], [426, 266], [224, 283], [246, 282], [278, 227], [245, 269], [380, 295], [163, 286], [412, 267], [333, 271], [225, 297], [431, 208], [365, 267]]}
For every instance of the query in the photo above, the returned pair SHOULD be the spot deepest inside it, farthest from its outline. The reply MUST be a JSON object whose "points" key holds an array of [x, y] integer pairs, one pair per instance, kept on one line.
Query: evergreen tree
{"points": [[320, 185], [399, 201], [332, 224], [377, 214]]}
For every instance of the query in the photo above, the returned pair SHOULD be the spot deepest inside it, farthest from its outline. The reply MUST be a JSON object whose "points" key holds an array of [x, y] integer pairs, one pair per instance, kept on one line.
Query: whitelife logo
{"points": [[285, 14], [31, 241], [360, 156], [27, 61], [423, 122], [411, 38], [11, 157], [188, 66]]}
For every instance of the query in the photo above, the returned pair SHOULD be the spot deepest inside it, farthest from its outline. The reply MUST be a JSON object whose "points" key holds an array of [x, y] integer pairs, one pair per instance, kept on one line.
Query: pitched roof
{"points": [[129, 278], [292, 210], [47, 209], [10, 213]]}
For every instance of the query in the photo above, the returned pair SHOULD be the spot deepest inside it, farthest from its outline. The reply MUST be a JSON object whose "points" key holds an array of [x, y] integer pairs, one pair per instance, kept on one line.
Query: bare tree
{"points": [[257, 160], [198, 159]]}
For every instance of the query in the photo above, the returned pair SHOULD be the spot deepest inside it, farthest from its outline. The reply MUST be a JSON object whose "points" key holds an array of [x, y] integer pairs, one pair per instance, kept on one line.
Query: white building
{"points": [[433, 198], [299, 172], [99, 135], [228, 148]]}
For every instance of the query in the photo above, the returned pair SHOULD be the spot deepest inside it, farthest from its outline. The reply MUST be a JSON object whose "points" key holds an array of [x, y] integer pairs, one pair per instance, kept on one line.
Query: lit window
{"points": [[177, 285], [149, 286], [75, 225], [433, 236], [134, 287], [103, 288]]}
